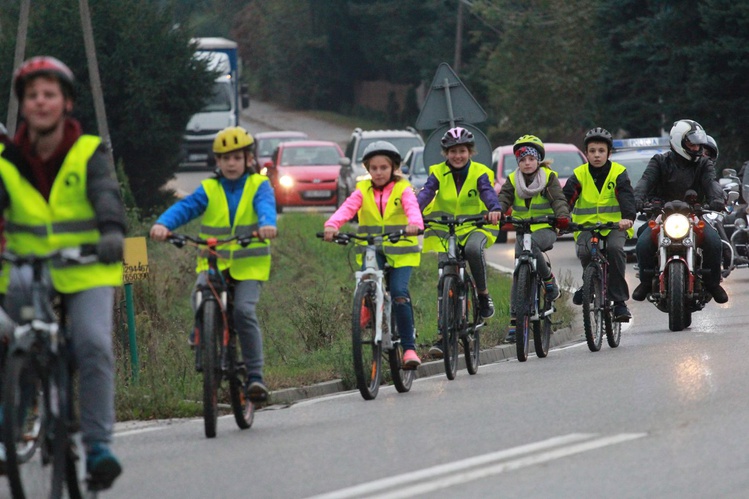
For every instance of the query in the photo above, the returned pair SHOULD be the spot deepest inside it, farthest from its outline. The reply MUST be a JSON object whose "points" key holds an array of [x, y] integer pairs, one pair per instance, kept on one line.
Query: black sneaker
{"points": [[641, 291], [577, 297], [486, 306], [256, 391], [719, 294], [436, 349], [621, 312]]}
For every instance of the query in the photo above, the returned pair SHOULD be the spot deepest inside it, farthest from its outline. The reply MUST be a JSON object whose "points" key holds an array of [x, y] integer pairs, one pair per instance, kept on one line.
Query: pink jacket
{"points": [[353, 203]]}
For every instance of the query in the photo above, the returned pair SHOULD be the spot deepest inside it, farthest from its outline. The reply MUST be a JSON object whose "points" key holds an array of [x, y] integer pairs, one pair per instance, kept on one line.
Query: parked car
{"points": [[634, 155], [304, 173], [566, 157], [413, 168], [352, 170], [266, 143]]}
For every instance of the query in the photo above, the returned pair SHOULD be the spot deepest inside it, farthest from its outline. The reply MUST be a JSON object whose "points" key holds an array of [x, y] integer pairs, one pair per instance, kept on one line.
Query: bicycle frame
{"points": [[373, 273], [522, 228]]}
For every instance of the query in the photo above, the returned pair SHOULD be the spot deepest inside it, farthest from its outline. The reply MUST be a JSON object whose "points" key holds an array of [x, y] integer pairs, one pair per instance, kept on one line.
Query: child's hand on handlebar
{"points": [[159, 232], [493, 217], [267, 232], [411, 230], [625, 224], [329, 233]]}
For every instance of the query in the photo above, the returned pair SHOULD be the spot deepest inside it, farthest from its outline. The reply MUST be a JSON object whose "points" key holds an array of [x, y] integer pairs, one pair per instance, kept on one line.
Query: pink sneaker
{"points": [[410, 360]]}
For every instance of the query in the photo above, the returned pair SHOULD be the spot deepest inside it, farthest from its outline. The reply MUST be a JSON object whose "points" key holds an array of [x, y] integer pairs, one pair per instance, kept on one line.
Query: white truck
{"points": [[229, 96]]}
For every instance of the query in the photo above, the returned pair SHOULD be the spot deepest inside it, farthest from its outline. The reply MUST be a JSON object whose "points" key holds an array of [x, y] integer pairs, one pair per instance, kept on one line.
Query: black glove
{"points": [[717, 205], [639, 204], [110, 247], [562, 223]]}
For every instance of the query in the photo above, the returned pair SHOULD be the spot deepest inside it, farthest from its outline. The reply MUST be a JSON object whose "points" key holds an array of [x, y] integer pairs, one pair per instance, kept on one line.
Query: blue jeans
{"points": [[398, 278]]}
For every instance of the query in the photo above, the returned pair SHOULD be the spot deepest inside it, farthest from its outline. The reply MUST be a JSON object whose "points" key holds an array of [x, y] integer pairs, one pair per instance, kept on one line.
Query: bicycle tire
{"points": [[209, 346], [243, 409], [542, 330], [613, 330], [367, 352], [470, 336], [593, 307], [448, 324], [75, 471], [523, 301], [402, 378]]}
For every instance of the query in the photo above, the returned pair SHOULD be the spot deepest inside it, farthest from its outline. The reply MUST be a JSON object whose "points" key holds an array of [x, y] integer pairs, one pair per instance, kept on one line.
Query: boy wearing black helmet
{"points": [[600, 191]]}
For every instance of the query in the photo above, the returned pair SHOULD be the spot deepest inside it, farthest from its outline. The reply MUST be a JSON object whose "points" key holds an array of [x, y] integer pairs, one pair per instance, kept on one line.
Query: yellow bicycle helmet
{"points": [[530, 140], [231, 139]]}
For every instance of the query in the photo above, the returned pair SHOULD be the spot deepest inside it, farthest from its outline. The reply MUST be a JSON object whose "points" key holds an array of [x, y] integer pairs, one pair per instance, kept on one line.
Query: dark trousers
{"points": [[617, 285]]}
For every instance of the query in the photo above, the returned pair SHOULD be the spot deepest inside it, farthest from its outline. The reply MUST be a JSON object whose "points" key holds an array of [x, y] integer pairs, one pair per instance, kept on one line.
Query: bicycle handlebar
{"points": [[573, 227], [449, 220], [526, 222], [180, 240], [343, 238], [84, 255]]}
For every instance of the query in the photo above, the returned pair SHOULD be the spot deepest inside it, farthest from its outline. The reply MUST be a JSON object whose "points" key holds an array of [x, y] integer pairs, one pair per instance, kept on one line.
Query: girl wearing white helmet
{"points": [[384, 203]]}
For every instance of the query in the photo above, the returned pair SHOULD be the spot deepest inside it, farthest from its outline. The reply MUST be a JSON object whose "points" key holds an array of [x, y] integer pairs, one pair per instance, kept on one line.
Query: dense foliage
{"points": [[151, 83]]}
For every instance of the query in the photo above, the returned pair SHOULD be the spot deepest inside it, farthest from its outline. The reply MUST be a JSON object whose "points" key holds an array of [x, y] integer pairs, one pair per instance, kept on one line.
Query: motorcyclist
{"points": [[669, 176]]}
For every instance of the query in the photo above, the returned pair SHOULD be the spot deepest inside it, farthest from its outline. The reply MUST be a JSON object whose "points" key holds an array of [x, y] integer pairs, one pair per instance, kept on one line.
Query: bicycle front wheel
{"points": [[613, 330], [542, 331], [366, 349], [470, 337], [448, 324], [402, 378], [523, 305], [210, 336], [593, 307], [243, 409]]}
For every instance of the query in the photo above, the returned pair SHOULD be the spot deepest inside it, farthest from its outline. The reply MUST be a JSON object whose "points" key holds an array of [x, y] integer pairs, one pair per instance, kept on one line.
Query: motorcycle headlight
{"points": [[676, 226]]}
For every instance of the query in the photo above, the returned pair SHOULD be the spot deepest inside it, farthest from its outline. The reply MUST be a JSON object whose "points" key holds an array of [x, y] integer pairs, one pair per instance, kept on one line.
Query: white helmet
{"points": [[687, 130]]}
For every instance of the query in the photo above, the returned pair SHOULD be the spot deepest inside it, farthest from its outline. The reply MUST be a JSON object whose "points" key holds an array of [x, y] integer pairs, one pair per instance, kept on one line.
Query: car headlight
{"points": [[286, 181], [676, 226], [264, 171]]}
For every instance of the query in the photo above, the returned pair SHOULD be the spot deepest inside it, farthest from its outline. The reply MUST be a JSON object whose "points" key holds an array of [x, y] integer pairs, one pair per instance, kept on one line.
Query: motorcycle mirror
{"points": [[691, 197], [733, 196], [729, 172], [724, 181]]}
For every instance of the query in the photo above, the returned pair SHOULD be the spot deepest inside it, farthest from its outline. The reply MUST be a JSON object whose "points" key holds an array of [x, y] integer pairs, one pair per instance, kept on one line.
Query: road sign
{"points": [[448, 102], [433, 148]]}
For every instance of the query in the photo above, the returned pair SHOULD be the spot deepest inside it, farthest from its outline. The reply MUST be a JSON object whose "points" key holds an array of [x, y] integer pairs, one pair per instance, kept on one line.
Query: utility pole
{"points": [[23, 26], [93, 74], [458, 38]]}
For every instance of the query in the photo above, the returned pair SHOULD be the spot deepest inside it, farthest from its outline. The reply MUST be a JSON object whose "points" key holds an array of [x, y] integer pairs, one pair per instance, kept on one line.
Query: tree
{"points": [[151, 82]]}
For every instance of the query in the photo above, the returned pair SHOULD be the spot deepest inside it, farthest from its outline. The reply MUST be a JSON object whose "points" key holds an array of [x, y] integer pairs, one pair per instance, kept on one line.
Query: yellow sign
{"points": [[135, 262]]}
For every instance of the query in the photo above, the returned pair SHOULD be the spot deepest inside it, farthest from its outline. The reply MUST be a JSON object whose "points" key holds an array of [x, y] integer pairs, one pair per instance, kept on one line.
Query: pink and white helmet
{"points": [[457, 136]]}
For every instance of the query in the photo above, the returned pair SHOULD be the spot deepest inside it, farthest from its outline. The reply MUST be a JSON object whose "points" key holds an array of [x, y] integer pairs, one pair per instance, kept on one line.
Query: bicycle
{"points": [[529, 289], [598, 310], [458, 307], [371, 340], [216, 352], [44, 451]]}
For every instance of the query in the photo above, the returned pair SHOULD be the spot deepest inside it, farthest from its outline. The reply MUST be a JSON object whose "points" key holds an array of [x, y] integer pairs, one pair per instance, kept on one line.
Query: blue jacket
{"points": [[194, 205]]}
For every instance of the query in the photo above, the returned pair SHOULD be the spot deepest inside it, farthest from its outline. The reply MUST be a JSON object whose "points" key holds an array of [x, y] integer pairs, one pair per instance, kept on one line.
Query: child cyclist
{"points": [[600, 191], [235, 201], [460, 186], [387, 202], [533, 190]]}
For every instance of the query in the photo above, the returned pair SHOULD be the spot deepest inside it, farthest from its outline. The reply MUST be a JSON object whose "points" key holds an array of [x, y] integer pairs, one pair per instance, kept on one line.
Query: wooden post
{"points": [[23, 26]]}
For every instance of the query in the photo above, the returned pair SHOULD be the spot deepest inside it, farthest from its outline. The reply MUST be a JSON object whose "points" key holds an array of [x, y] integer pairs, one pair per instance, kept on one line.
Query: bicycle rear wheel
{"points": [[243, 409], [367, 351], [210, 336], [522, 305], [402, 378], [593, 307], [470, 337], [448, 324], [542, 330]]}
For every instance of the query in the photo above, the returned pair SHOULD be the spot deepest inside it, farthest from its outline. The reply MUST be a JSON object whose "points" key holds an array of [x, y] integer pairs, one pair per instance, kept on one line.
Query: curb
{"points": [[289, 396]]}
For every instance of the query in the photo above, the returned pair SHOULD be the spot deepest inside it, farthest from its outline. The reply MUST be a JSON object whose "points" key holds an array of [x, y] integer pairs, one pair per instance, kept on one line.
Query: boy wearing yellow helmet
{"points": [[236, 200], [533, 190]]}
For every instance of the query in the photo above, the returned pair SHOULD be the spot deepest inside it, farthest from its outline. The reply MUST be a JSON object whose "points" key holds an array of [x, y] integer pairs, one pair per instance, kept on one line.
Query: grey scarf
{"points": [[527, 191]]}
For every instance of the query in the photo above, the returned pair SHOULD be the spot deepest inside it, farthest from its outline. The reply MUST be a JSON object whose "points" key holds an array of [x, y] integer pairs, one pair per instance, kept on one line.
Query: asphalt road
{"points": [[663, 415]]}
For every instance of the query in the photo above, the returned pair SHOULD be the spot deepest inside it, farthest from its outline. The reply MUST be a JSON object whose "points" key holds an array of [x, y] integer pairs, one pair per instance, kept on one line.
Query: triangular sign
{"points": [[436, 111]]}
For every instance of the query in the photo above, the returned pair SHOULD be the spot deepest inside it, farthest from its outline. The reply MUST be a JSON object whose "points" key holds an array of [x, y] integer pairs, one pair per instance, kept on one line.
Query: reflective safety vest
{"points": [[448, 202], [35, 226], [593, 206], [404, 253], [250, 263], [539, 205]]}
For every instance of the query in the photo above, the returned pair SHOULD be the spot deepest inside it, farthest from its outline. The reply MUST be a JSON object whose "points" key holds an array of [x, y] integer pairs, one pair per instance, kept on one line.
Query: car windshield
{"points": [[310, 156], [220, 98], [403, 144], [265, 147]]}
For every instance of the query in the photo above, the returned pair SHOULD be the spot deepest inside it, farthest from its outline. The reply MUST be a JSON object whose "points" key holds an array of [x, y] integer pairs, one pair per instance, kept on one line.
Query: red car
{"points": [[304, 173], [266, 143], [566, 158]]}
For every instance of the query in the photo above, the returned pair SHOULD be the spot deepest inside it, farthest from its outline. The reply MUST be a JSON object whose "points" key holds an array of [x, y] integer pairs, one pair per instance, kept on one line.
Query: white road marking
{"points": [[451, 474]]}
